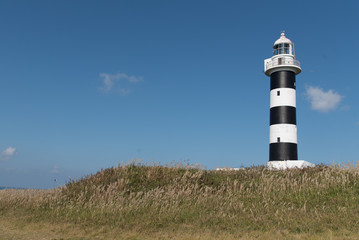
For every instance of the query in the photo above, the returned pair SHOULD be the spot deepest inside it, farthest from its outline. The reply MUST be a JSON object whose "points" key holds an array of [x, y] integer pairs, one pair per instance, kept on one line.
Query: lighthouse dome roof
{"points": [[283, 39]]}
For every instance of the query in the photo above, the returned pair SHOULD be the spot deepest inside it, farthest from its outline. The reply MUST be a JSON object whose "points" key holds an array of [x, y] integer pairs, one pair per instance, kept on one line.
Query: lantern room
{"points": [[283, 46], [283, 58]]}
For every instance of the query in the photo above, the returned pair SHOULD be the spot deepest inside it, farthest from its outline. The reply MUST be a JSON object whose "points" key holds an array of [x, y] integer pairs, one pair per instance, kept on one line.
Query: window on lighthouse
{"points": [[286, 48], [275, 49], [280, 48]]}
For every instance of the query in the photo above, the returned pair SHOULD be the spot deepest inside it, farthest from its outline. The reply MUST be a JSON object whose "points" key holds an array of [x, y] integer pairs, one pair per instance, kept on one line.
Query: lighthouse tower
{"points": [[282, 68]]}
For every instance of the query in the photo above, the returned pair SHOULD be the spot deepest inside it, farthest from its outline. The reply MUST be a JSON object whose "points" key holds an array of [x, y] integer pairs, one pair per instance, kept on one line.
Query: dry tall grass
{"points": [[148, 199]]}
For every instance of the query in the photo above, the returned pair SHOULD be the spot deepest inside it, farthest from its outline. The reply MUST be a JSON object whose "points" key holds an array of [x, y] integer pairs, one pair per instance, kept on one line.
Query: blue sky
{"points": [[87, 85]]}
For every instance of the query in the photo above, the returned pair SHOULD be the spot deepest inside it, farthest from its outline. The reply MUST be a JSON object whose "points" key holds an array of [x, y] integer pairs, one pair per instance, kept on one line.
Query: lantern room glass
{"points": [[283, 48]]}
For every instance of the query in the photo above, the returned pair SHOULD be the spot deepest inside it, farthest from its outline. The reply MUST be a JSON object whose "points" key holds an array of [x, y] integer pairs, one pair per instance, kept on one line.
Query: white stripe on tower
{"points": [[282, 97], [286, 133]]}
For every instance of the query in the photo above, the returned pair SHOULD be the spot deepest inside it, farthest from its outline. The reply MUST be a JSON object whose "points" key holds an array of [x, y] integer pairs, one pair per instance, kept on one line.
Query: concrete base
{"points": [[282, 165]]}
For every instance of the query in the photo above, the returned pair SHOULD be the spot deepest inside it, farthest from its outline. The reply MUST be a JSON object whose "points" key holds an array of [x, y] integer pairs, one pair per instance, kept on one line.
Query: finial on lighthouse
{"points": [[283, 39]]}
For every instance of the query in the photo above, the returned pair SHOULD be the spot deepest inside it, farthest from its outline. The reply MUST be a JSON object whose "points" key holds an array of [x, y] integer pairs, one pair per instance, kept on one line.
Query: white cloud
{"points": [[7, 153], [107, 82], [121, 80], [323, 101]]}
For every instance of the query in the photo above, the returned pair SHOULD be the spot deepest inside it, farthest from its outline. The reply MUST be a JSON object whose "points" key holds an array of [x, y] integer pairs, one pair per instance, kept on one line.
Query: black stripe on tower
{"points": [[282, 79], [283, 151], [283, 115]]}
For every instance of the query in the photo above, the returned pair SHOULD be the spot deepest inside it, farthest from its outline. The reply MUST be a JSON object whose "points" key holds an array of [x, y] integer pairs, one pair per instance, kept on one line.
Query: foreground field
{"points": [[182, 202]]}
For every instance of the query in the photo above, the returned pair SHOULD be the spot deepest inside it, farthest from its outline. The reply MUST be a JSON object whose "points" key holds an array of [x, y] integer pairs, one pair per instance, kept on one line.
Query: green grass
{"points": [[168, 200]]}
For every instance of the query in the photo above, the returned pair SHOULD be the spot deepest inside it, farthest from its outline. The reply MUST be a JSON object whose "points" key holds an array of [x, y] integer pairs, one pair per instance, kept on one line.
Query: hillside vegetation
{"points": [[183, 202]]}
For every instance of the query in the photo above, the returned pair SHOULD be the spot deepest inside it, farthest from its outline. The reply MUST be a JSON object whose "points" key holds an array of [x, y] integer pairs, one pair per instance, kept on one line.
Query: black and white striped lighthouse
{"points": [[282, 68]]}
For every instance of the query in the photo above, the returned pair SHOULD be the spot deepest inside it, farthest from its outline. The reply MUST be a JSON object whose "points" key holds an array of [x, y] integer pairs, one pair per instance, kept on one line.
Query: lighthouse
{"points": [[282, 69]]}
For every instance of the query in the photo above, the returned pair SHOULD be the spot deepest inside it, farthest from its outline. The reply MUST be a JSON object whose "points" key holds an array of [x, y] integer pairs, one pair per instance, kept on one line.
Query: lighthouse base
{"points": [[282, 165]]}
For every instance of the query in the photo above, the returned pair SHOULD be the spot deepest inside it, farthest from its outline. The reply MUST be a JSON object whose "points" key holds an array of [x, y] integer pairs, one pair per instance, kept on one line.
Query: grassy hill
{"points": [[183, 202]]}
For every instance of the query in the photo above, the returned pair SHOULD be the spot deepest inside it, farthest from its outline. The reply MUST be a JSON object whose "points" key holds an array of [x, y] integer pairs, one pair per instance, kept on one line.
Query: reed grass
{"points": [[151, 199]]}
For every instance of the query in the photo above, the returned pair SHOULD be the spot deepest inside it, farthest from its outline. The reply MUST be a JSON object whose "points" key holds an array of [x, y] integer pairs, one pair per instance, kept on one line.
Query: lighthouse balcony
{"points": [[281, 63]]}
